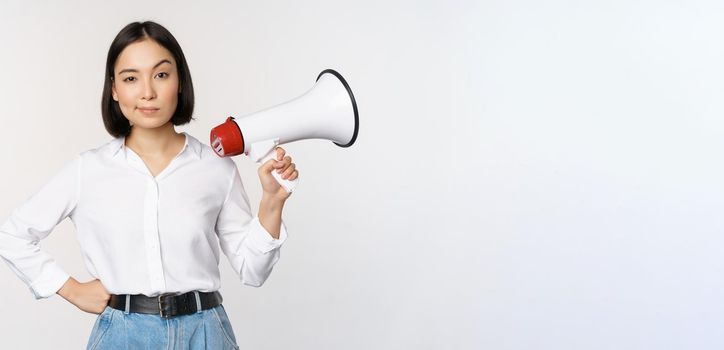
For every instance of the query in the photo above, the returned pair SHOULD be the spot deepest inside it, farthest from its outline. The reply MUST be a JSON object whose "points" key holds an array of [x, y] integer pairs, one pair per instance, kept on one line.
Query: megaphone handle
{"points": [[287, 184]]}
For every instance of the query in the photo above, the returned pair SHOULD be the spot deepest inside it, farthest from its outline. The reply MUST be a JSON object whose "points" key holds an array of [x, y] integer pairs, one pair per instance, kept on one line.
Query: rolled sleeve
{"points": [[51, 279], [261, 240]]}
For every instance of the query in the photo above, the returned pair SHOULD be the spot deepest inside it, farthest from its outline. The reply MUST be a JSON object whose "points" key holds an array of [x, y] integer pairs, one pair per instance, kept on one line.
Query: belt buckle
{"points": [[161, 301]]}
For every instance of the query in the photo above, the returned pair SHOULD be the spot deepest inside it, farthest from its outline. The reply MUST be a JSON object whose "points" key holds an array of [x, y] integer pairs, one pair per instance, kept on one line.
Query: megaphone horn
{"points": [[327, 111]]}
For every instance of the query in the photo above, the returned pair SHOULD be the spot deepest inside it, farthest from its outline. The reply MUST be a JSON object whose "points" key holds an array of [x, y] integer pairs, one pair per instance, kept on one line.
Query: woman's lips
{"points": [[148, 110]]}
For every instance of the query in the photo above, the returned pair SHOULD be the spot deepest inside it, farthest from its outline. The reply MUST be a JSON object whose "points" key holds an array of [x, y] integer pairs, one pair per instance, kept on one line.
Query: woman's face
{"points": [[145, 84]]}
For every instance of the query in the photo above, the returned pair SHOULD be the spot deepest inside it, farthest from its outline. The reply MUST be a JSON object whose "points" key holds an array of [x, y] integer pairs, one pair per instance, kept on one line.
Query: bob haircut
{"points": [[116, 124]]}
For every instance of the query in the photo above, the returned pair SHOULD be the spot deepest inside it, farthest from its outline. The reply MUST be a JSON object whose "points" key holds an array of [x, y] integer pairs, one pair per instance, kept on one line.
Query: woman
{"points": [[151, 208]]}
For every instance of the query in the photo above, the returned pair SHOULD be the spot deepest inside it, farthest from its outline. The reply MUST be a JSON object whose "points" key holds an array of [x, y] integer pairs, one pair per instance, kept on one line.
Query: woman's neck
{"points": [[154, 142]]}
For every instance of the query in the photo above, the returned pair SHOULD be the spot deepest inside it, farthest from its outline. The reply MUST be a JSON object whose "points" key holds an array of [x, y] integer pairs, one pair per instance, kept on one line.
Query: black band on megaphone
{"points": [[354, 104]]}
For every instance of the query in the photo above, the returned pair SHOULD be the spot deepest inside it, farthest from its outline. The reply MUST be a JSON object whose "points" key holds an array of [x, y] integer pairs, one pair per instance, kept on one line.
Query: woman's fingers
{"points": [[282, 165], [280, 152], [288, 171]]}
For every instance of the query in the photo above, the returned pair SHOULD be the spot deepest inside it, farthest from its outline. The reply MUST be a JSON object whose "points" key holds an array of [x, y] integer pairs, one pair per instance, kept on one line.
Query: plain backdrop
{"points": [[528, 174]]}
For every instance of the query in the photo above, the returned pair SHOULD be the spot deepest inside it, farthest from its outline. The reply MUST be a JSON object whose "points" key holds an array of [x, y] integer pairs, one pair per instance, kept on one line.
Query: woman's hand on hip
{"points": [[90, 296]]}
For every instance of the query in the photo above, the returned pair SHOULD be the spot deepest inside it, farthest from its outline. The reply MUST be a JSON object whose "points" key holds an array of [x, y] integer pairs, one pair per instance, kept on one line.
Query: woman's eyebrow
{"points": [[133, 70]]}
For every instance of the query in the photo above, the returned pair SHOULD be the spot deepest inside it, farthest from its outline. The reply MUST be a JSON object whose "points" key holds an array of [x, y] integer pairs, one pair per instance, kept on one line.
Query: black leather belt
{"points": [[167, 305]]}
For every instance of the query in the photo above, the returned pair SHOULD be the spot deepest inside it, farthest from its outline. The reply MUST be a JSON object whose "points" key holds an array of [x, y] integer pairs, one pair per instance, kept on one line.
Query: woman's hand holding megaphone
{"points": [[284, 168]]}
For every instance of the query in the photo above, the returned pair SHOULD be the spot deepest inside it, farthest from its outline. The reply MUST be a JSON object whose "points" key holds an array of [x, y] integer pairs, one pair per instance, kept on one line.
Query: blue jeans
{"points": [[207, 329]]}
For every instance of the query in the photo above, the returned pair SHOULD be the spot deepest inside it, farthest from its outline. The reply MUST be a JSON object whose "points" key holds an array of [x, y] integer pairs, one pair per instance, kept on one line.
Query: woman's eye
{"points": [[162, 75], [129, 79]]}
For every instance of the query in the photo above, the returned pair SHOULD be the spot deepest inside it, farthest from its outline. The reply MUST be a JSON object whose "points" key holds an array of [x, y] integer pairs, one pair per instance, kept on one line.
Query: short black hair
{"points": [[116, 124]]}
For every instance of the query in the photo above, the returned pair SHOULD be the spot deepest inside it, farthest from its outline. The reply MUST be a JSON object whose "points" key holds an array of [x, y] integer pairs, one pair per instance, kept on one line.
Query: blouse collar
{"points": [[191, 142]]}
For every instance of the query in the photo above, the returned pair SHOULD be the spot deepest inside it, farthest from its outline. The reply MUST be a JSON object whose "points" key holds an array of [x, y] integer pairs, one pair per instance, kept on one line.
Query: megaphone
{"points": [[327, 111]]}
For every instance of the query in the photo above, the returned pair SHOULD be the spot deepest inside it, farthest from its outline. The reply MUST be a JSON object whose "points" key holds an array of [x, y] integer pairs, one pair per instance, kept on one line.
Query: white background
{"points": [[528, 174]]}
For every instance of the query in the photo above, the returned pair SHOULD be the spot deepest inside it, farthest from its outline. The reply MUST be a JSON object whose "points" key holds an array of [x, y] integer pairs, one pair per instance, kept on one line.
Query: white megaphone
{"points": [[327, 111]]}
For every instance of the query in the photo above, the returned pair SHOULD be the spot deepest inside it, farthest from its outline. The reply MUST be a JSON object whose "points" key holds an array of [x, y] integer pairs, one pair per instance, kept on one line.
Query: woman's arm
{"points": [[270, 214], [252, 242], [33, 221], [274, 197]]}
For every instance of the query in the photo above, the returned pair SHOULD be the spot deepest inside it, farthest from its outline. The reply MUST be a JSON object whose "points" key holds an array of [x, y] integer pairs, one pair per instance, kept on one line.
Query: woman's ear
{"points": [[114, 94]]}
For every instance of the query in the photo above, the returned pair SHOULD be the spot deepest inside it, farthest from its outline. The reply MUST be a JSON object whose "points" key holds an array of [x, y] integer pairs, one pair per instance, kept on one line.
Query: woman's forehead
{"points": [[143, 55]]}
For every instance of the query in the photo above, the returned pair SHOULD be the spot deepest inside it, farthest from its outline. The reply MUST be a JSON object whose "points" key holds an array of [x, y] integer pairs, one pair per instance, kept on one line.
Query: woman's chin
{"points": [[149, 124]]}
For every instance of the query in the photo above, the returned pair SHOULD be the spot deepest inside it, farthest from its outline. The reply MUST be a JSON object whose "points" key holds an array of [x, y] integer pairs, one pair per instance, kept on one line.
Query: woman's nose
{"points": [[148, 90]]}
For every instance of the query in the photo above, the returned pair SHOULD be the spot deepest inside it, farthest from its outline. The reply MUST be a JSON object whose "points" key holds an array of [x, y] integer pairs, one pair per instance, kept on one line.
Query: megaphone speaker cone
{"points": [[352, 100]]}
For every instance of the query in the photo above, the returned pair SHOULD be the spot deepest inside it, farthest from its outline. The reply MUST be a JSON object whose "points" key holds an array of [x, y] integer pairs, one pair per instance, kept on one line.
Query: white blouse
{"points": [[141, 234]]}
